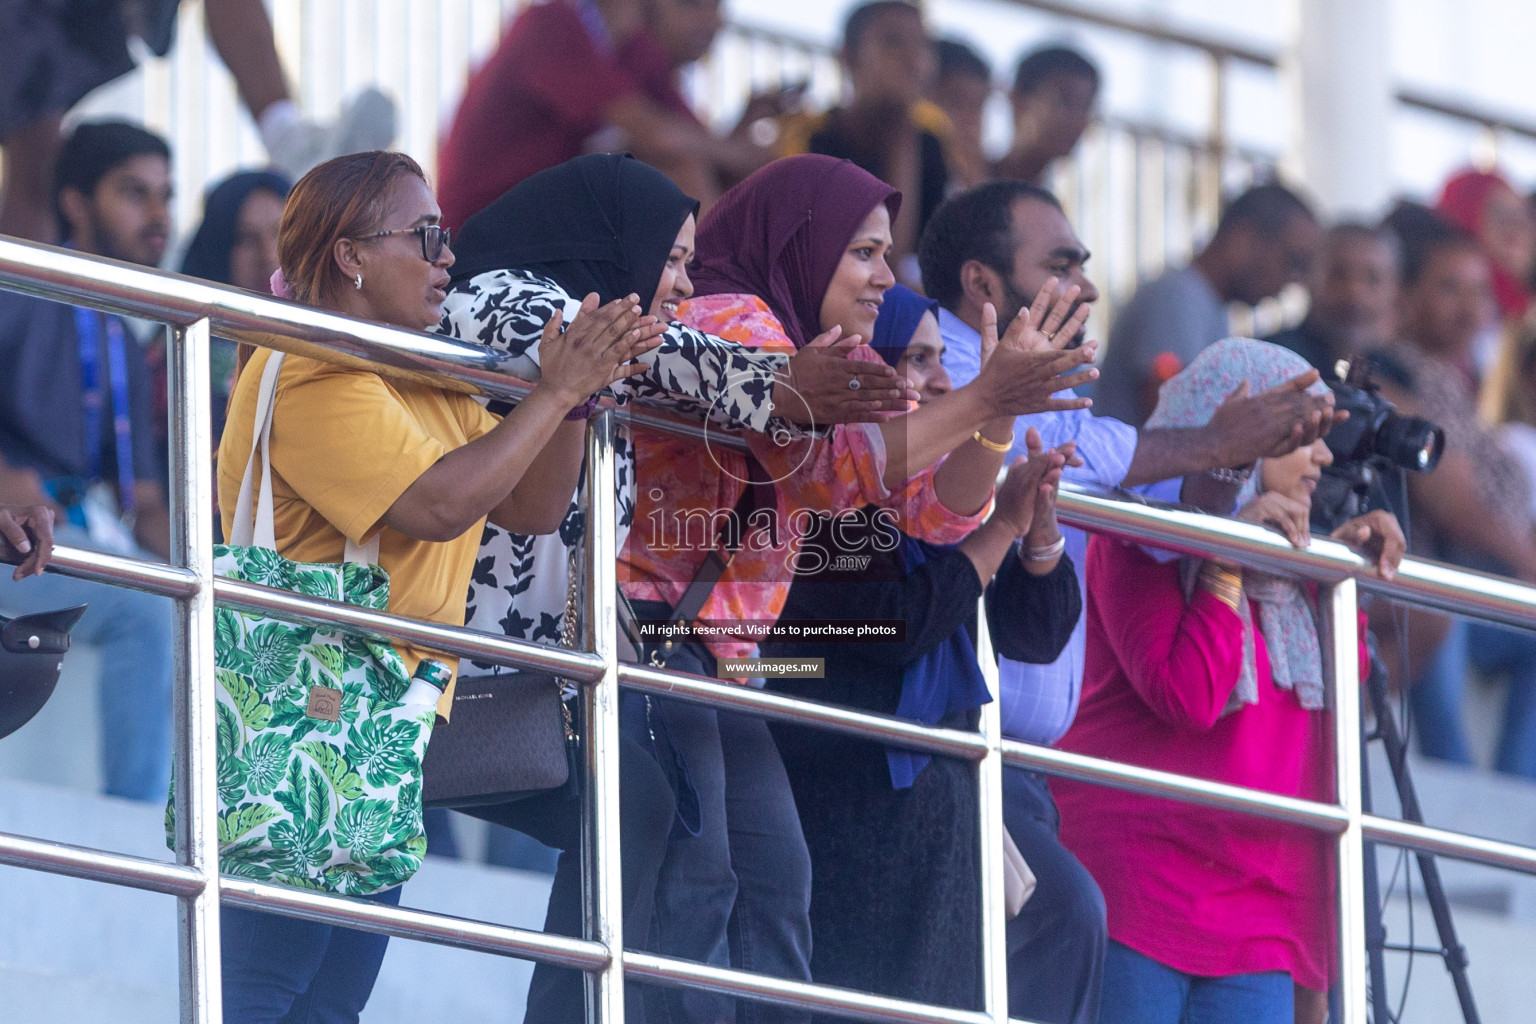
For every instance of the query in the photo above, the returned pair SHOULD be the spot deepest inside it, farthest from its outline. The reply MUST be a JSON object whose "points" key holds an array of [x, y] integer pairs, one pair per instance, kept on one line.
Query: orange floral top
{"points": [[684, 496]]}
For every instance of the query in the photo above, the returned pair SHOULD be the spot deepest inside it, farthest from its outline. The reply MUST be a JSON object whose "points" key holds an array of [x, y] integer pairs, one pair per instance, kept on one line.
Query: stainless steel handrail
{"points": [[195, 882]]}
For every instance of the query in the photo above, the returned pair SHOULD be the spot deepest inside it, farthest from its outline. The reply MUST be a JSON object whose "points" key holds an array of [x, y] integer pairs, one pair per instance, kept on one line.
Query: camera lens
{"points": [[1409, 442]]}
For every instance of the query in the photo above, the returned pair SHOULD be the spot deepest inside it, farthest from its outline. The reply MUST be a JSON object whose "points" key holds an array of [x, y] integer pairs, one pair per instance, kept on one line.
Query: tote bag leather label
{"points": [[324, 704]]}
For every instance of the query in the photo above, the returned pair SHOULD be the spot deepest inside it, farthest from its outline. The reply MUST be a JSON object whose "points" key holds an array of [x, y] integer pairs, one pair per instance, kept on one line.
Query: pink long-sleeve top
{"points": [[1207, 892], [682, 491]]}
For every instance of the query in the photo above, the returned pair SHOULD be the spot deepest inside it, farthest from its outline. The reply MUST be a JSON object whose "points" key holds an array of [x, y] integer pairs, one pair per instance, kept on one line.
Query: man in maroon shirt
{"points": [[577, 76]]}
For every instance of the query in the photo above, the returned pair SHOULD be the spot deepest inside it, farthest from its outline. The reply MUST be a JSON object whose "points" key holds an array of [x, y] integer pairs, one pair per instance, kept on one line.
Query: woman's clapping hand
{"points": [[601, 345], [1026, 500], [1034, 360]]}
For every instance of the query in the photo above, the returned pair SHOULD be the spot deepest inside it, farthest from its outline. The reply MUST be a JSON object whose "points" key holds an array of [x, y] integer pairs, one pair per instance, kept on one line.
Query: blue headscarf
{"points": [[900, 313], [946, 679]]}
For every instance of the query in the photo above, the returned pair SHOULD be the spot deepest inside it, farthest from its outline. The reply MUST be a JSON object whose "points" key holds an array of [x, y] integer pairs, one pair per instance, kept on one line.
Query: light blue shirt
{"points": [[1039, 701]]}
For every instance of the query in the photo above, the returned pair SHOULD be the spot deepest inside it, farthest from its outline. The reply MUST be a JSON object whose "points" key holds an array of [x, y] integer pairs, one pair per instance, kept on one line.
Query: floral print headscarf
{"points": [[1287, 617]]}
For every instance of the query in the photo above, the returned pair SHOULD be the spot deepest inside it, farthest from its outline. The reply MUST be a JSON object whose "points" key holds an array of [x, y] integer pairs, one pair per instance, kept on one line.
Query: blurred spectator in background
{"points": [[886, 128], [1483, 204], [1053, 95], [1473, 510], [1354, 295], [1508, 402], [75, 433], [1263, 242], [574, 77], [1530, 209], [961, 89], [686, 30], [236, 244], [53, 53]]}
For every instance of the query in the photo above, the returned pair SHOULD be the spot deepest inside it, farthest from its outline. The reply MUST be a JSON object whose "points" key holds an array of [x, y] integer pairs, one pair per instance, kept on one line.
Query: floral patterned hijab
{"points": [[1287, 617]]}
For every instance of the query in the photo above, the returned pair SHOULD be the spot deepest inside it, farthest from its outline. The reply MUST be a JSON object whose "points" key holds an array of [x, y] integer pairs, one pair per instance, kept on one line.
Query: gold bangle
{"points": [[1231, 598], [1222, 584], [991, 445], [1222, 575]]}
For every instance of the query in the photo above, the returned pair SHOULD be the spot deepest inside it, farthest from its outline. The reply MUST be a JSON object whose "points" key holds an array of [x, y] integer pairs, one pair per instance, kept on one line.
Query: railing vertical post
{"points": [[1343, 637], [196, 737], [989, 792], [600, 848]]}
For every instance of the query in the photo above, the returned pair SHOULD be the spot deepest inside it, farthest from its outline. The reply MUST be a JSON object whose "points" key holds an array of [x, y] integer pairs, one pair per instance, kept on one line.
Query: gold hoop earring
{"points": [[359, 280]]}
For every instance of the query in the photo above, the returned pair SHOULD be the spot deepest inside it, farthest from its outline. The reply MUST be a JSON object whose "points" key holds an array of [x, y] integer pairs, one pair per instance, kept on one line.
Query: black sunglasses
{"points": [[434, 239]]}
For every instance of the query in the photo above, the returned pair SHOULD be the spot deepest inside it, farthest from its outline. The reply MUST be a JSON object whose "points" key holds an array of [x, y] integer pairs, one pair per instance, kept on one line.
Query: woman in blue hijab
{"points": [[895, 897]]}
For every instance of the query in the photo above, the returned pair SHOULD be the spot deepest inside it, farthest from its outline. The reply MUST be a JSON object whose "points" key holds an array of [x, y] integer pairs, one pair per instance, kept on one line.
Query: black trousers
{"points": [[557, 995]]}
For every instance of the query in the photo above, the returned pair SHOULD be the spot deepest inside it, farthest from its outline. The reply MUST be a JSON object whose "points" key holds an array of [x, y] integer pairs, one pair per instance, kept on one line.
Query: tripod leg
{"points": [[1451, 949], [1375, 928]]}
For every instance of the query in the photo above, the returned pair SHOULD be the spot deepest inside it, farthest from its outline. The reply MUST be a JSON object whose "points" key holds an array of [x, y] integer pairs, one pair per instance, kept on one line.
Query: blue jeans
{"points": [[739, 892], [280, 970], [1139, 990], [1056, 944], [134, 633], [1438, 697]]}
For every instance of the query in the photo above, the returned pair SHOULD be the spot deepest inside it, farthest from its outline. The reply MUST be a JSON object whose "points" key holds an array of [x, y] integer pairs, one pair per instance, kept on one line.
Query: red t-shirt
{"points": [[534, 104]]}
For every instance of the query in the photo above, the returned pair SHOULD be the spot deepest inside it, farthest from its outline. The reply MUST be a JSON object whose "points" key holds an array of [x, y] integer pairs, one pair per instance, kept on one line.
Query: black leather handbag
{"points": [[510, 736]]}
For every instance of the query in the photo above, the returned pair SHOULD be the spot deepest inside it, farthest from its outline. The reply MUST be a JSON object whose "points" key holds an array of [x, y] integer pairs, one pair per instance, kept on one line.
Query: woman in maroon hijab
{"points": [[794, 256], [1484, 204]]}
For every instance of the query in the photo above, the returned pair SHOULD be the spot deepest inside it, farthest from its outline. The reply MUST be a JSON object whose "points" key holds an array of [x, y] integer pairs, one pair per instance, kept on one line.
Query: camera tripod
{"points": [[1450, 949]]}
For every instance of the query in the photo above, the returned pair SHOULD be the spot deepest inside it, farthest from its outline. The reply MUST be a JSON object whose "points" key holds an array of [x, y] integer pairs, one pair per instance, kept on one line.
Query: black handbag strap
{"points": [[758, 494]]}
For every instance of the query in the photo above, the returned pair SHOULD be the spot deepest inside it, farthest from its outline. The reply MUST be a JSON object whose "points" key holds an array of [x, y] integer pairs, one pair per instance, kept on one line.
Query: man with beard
{"points": [[75, 435], [999, 244]]}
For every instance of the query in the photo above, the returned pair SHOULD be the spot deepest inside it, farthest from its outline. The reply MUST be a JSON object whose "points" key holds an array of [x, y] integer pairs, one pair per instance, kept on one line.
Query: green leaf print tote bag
{"points": [[320, 733]]}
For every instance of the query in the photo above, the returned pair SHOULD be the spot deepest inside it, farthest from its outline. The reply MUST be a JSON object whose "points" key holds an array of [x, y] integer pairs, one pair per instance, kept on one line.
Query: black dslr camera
{"points": [[1371, 451]]}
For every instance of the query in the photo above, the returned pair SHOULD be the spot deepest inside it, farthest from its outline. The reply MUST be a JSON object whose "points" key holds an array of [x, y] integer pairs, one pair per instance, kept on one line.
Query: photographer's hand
{"points": [[1378, 537], [1285, 515]]}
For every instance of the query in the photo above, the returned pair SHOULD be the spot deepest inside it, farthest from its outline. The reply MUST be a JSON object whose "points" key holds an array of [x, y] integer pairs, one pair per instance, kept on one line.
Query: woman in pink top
{"points": [[1202, 668]]}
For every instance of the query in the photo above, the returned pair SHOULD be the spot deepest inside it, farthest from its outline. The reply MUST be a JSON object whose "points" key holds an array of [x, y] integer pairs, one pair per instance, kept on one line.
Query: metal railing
{"points": [[194, 310]]}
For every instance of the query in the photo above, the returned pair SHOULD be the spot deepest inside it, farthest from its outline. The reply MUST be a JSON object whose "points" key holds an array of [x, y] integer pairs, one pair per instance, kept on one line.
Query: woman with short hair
{"points": [[357, 456]]}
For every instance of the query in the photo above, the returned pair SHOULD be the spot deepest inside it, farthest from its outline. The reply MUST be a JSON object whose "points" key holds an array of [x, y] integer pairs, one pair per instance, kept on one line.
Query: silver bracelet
{"points": [[1049, 553], [1237, 477]]}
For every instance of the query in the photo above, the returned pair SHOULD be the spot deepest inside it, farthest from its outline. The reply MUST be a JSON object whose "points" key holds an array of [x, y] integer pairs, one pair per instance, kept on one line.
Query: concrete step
{"points": [[40, 997], [82, 952]]}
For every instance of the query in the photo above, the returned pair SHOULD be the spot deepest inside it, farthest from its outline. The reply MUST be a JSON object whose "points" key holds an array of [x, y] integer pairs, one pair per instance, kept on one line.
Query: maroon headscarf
{"points": [[781, 232], [1464, 202]]}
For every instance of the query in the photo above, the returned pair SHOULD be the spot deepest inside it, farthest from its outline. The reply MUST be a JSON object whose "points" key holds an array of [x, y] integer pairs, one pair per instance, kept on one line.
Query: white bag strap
{"points": [[242, 531], [259, 530]]}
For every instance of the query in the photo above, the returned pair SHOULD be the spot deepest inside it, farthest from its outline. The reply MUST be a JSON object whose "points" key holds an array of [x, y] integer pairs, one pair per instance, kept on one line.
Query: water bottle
{"points": [[427, 685]]}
